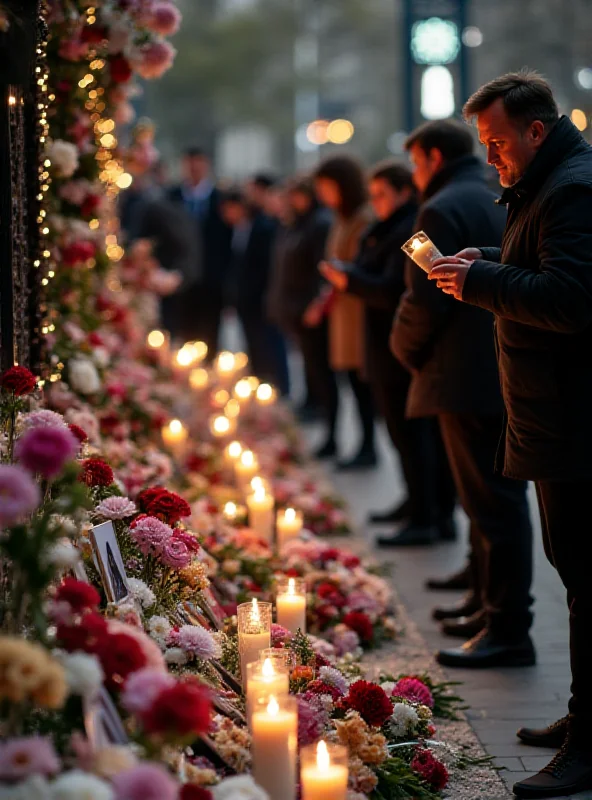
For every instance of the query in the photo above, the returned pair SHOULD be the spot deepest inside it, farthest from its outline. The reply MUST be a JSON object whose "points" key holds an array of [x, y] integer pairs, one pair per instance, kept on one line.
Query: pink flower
{"points": [[146, 782], [46, 450], [164, 18], [279, 635], [188, 539], [344, 641], [198, 641], [151, 535], [116, 508], [414, 690], [31, 755], [44, 418], [19, 494], [176, 554], [311, 722], [153, 59], [143, 687]]}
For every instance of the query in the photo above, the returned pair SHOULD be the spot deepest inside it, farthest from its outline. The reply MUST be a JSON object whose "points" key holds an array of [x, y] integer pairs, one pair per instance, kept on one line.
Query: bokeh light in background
{"points": [[579, 119], [340, 131]]}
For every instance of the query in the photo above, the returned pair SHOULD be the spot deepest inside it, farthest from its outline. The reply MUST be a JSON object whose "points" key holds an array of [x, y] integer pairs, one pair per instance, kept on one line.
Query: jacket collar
{"points": [[465, 166], [381, 228], [562, 142]]}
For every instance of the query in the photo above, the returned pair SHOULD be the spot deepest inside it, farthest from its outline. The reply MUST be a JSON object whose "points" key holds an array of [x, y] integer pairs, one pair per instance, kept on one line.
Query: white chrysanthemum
{"points": [[83, 376], [116, 508], [64, 157], [68, 526], [403, 720], [159, 629], [198, 642], [242, 787], [388, 687], [332, 677], [78, 785], [34, 788], [175, 657], [84, 674], [64, 555], [142, 593]]}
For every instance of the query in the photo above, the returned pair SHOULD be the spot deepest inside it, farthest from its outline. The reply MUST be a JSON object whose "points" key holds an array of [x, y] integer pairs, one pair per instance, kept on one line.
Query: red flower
{"points": [[95, 339], [330, 554], [361, 624], [93, 34], [96, 472], [78, 432], [78, 253], [191, 792], [331, 595], [121, 70], [90, 205], [190, 541], [196, 463], [167, 506], [183, 709], [18, 380], [350, 561], [85, 636], [370, 701], [109, 423], [432, 771], [79, 595], [120, 655], [415, 690], [319, 687]]}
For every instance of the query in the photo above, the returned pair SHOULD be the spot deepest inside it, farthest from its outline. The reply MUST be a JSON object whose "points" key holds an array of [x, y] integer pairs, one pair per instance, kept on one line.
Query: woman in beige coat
{"points": [[340, 185]]}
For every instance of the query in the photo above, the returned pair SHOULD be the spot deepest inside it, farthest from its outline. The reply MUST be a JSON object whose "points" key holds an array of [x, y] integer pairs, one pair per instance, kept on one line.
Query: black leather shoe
{"points": [[448, 529], [459, 581], [365, 459], [327, 450], [397, 514], [468, 606], [551, 736], [465, 627], [411, 536], [485, 650], [569, 772]]}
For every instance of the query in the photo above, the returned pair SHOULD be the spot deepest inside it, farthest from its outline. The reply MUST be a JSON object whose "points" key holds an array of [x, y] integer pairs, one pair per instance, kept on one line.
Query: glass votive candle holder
{"points": [[280, 655], [324, 771], [421, 250], [288, 524], [274, 727], [291, 604], [265, 677], [254, 632]]}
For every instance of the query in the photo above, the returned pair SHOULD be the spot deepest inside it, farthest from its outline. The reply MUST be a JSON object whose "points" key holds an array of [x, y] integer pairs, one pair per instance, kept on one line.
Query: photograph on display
{"points": [[109, 561]]}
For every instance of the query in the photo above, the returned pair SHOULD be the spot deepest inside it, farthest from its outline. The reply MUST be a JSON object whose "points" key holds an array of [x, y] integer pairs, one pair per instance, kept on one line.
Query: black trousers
{"points": [[430, 486], [501, 533], [266, 349], [565, 517]]}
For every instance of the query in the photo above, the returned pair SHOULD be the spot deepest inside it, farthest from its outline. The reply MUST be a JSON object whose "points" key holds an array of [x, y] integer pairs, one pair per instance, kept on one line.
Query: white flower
{"points": [[159, 629], [101, 356], [83, 375], [34, 788], [198, 642], [83, 672], [332, 677], [242, 787], [388, 687], [64, 157], [403, 720], [175, 656], [78, 785], [116, 508], [142, 593], [64, 555], [43, 418]]}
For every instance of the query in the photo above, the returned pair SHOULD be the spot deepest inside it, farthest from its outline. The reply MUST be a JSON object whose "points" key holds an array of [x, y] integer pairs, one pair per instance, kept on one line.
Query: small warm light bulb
{"points": [[267, 669], [241, 360], [185, 356], [200, 349], [155, 339], [323, 758], [253, 382], [235, 449], [290, 515], [291, 586], [273, 708]]}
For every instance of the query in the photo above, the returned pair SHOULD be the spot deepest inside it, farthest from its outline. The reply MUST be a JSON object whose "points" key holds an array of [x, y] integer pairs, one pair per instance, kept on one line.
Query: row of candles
{"points": [[272, 713]]}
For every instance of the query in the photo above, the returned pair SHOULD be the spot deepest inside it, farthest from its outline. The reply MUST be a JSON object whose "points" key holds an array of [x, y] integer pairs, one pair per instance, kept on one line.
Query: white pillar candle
{"points": [[254, 632], [261, 513], [275, 738], [291, 604], [266, 677], [288, 524], [245, 469], [422, 250], [174, 435], [324, 772]]}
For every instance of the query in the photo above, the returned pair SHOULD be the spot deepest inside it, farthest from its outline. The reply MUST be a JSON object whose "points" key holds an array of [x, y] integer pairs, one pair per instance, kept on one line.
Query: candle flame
{"points": [[175, 426], [264, 392], [243, 389], [221, 397], [230, 510], [221, 425], [248, 458], [253, 382], [186, 355], [416, 243], [255, 615], [267, 669], [232, 409], [198, 378], [273, 707], [257, 483], [323, 758], [259, 493], [156, 339], [235, 449], [291, 586], [290, 515], [200, 349], [226, 361]]}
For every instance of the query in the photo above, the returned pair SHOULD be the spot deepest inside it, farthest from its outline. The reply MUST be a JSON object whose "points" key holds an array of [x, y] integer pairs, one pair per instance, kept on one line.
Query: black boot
{"points": [[486, 650], [459, 581], [568, 772], [465, 627], [327, 450], [410, 536], [551, 736], [364, 459], [468, 606], [397, 514]]}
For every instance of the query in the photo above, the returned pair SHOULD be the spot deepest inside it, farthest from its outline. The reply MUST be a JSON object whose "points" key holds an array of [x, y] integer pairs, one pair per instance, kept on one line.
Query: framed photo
{"points": [[102, 722], [109, 561]]}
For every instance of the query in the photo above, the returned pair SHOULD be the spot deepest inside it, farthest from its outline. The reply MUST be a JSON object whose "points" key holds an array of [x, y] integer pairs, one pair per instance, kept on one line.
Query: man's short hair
{"points": [[233, 195], [264, 180], [452, 138], [195, 152], [395, 173], [526, 96]]}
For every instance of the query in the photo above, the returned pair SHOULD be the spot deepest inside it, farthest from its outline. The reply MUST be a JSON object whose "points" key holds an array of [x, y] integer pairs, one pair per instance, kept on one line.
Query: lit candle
{"points": [[291, 604], [289, 525], [219, 398], [225, 365], [245, 469], [186, 356], [266, 677], [234, 514], [159, 343], [243, 391], [174, 436], [275, 738], [221, 426], [241, 360], [201, 350], [261, 515], [260, 483], [323, 772], [265, 394], [199, 379], [232, 453], [422, 250], [254, 632], [232, 409]]}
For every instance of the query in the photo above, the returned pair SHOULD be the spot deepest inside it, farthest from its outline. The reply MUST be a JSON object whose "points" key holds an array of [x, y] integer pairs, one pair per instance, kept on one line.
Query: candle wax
{"points": [[265, 685], [425, 255], [324, 783], [274, 752], [249, 645], [291, 612]]}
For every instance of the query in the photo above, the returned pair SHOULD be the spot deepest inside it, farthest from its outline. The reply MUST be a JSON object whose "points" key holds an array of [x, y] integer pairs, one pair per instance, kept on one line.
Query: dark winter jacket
{"points": [[449, 346], [541, 294]]}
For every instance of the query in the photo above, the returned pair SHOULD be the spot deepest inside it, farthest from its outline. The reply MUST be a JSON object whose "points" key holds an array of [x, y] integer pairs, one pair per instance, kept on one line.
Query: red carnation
{"points": [[18, 380], [190, 791], [432, 771], [167, 506], [330, 554], [361, 624], [320, 687], [190, 541], [120, 655], [90, 205], [414, 690], [121, 70], [370, 701], [85, 636], [78, 253], [96, 472], [350, 561], [78, 433], [79, 595], [183, 709], [331, 595]]}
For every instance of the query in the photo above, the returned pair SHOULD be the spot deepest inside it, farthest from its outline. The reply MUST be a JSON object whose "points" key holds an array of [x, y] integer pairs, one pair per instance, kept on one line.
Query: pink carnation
{"points": [[164, 18], [143, 687], [19, 494], [46, 450], [151, 535], [198, 641], [414, 690], [116, 508], [279, 635], [44, 418], [311, 722], [145, 782], [31, 755], [176, 554], [152, 60], [188, 539]]}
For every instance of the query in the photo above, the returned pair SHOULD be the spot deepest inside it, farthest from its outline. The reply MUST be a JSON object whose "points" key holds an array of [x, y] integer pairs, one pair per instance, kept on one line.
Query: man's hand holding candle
{"points": [[450, 272]]}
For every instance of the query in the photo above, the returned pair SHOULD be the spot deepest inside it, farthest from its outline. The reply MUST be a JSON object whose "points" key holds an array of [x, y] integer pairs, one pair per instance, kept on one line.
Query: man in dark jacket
{"points": [[539, 286], [201, 199], [450, 350]]}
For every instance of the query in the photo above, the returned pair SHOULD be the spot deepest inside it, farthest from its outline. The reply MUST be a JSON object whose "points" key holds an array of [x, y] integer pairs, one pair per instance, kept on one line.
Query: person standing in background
{"points": [[261, 190], [377, 276], [295, 282], [199, 196], [340, 185]]}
